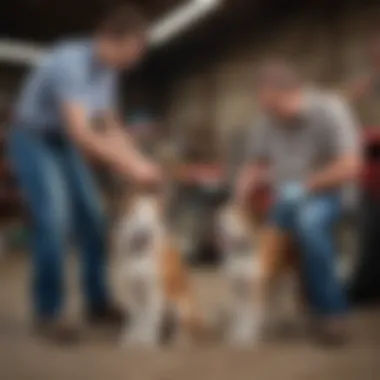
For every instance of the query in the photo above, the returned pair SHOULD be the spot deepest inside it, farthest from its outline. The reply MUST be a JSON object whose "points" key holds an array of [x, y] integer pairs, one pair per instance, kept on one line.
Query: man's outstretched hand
{"points": [[146, 173]]}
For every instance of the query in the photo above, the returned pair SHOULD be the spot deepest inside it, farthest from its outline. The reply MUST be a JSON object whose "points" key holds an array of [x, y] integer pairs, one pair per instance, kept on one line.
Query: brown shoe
{"points": [[332, 331], [57, 331], [108, 315]]}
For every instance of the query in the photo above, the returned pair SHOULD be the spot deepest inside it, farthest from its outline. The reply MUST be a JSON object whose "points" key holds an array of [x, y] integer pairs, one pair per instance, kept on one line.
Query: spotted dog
{"points": [[153, 276], [255, 298]]}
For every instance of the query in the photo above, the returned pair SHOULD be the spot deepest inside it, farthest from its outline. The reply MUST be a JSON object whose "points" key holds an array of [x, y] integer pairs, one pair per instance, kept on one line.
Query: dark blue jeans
{"points": [[311, 223], [62, 199]]}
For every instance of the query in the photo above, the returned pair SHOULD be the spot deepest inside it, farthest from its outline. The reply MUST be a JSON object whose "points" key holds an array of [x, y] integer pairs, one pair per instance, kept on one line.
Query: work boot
{"points": [[57, 331], [107, 315], [332, 331]]}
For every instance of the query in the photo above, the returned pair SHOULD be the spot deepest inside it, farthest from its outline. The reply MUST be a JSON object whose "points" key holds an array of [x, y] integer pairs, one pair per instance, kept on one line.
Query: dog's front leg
{"points": [[261, 304], [133, 313], [245, 326], [131, 330], [244, 329], [154, 314], [272, 256], [128, 305]]}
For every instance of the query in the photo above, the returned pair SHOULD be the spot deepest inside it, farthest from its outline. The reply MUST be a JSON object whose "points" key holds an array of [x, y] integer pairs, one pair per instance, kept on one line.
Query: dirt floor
{"points": [[100, 357]]}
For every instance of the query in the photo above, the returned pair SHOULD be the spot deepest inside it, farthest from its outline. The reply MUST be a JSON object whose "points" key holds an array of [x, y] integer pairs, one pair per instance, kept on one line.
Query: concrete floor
{"points": [[100, 358]]}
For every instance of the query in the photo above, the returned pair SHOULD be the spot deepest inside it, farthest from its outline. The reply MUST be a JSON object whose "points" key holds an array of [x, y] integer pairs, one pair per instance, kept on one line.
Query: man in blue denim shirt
{"points": [[74, 84], [310, 142]]}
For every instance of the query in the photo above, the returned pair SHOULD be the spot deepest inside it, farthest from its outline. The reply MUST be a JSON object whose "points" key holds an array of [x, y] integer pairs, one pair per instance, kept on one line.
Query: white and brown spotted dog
{"points": [[153, 275], [255, 286]]}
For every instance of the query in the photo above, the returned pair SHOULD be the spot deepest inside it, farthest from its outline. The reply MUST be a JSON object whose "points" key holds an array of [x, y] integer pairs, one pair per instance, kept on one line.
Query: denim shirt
{"points": [[68, 72]]}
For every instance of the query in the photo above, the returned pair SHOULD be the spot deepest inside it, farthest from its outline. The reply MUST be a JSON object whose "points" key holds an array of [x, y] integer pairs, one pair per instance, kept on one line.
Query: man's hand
{"points": [[291, 193], [144, 173]]}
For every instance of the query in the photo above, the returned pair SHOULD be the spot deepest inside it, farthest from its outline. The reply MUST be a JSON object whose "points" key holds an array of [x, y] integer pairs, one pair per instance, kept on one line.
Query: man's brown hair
{"points": [[122, 20], [278, 73]]}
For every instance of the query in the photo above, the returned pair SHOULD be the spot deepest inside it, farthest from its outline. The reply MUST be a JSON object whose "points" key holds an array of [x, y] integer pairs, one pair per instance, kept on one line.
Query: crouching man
{"points": [[308, 139]]}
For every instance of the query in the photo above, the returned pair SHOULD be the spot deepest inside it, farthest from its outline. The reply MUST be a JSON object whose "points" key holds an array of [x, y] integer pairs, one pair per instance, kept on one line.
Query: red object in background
{"points": [[370, 178]]}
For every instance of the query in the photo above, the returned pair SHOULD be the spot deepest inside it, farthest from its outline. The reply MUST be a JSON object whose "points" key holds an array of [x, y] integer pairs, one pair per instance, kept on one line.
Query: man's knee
{"points": [[310, 218]]}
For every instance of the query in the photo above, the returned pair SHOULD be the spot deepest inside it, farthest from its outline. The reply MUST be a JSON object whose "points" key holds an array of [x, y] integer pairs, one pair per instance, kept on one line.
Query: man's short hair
{"points": [[121, 21], [278, 74]]}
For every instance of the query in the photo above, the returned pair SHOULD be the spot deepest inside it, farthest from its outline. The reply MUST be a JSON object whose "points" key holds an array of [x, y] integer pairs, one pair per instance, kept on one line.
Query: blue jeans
{"points": [[311, 223], [62, 199]]}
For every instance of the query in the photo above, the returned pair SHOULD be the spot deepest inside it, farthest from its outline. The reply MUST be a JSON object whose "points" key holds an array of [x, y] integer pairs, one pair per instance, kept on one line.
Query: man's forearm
{"points": [[107, 149], [102, 147], [116, 130], [343, 170]]}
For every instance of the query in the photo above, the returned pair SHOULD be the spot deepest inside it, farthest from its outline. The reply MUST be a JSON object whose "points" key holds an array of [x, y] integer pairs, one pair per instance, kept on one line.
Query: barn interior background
{"points": [[193, 90], [193, 94]]}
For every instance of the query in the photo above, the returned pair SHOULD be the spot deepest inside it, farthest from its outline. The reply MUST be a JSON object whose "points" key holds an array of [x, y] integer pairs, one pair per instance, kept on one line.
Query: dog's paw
{"points": [[250, 333], [243, 342], [244, 337], [139, 341], [130, 337], [127, 341]]}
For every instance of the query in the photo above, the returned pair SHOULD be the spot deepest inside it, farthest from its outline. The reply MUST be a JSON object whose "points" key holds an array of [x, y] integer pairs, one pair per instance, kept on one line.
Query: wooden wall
{"points": [[326, 44]]}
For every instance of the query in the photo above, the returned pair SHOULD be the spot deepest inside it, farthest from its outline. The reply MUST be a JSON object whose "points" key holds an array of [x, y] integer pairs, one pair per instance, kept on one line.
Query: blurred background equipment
{"points": [[12, 233], [365, 287]]}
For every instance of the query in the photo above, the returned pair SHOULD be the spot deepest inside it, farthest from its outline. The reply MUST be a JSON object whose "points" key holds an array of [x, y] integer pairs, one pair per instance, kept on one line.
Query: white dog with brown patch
{"points": [[241, 270], [256, 299], [153, 276]]}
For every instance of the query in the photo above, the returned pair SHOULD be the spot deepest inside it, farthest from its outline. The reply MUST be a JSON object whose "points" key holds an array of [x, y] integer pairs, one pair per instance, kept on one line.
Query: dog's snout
{"points": [[139, 241]]}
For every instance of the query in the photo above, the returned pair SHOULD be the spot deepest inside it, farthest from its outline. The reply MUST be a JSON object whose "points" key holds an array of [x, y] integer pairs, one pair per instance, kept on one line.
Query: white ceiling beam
{"points": [[175, 22], [180, 19], [19, 52]]}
